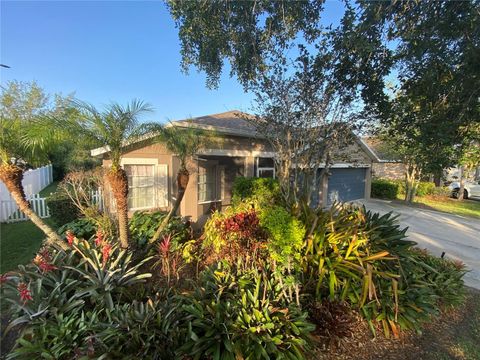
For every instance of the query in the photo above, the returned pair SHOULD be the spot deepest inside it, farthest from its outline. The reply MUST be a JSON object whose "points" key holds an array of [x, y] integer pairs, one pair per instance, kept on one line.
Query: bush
{"points": [[237, 312], [260, 191], [244, 230], [144, 224], [425, 188], [82, 228], [385, 189], [66, 298], [285, 233], [62, 210], [364, 259]]}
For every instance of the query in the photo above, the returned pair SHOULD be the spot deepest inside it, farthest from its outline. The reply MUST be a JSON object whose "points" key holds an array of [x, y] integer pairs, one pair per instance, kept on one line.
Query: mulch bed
{"points": [[441, 338]]}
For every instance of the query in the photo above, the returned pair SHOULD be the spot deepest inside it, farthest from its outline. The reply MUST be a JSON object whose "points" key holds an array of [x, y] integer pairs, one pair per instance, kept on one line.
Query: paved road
{"points": [[458, 236]]}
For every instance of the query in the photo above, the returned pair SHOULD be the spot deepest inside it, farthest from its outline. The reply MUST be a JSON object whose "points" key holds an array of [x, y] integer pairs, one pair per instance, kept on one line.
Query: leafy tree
{"points": [[252, 35], [436, 50], [115, 127], [26, 102], [184, 142], [24, 144]]}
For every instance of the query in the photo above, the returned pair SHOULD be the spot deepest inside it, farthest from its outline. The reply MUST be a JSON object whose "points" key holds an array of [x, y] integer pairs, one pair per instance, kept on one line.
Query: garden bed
{"points": [[453, 335]]}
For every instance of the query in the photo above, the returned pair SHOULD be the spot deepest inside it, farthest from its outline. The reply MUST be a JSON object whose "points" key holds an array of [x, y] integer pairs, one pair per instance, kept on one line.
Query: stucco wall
{"points": [[243, 149]]}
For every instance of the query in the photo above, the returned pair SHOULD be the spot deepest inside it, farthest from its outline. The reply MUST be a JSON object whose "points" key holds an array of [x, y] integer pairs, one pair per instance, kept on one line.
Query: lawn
{"points": [[18, 243], [49, 189], [445, 204]]}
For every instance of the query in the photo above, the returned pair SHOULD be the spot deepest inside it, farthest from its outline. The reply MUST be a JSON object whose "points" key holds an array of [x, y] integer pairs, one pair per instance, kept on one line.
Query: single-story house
{"points": [[386, 164], [240, 151]]}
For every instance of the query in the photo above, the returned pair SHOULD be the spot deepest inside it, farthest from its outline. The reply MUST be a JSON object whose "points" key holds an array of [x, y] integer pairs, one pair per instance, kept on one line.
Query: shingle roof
{"points": [[232, 122], [381, 149]]}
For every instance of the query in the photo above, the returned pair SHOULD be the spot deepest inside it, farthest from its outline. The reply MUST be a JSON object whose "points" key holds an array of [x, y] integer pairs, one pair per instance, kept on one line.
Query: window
{"points": [[207, 183], [141, 186], [265, 168]]}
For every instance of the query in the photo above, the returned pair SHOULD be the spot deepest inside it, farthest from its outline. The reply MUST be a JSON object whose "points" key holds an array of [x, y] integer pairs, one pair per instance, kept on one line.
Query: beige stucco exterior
{"points": [[233, 156]]}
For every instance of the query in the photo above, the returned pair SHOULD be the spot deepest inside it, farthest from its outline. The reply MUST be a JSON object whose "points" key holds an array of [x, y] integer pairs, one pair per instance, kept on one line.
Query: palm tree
{"points": [[115, 127], [25, 143], [184, 143]]}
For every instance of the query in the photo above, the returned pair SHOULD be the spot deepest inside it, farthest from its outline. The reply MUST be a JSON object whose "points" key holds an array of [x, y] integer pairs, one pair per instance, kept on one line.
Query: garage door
{"points": [[346, 184]]}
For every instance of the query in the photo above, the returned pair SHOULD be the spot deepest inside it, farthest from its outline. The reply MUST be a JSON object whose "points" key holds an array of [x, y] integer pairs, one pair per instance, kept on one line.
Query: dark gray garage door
{"points": [[346, 184]]}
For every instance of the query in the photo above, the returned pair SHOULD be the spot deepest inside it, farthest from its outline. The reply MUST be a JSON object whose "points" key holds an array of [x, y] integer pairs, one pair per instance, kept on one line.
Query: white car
{"points": [[470, 189]]}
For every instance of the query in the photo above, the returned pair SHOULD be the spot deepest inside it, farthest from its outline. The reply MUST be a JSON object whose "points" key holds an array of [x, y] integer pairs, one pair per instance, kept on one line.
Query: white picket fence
{"points": [[33, 182], [10, 213]]}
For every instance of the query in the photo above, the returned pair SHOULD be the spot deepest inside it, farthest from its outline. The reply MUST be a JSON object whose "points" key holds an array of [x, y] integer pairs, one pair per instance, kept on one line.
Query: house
{"points": [[386, 164], [239, 151]]}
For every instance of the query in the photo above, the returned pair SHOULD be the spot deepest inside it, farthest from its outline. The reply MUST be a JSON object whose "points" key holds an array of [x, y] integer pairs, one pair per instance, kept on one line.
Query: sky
{"points": [[113, 51]]}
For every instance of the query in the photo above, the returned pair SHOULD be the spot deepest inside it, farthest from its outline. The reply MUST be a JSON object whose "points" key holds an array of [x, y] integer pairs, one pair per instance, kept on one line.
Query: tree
{"points": [[115, 127], [184, 143], [26, 102], [306, 117], [436, 47], [22, 145], [252, 35]]}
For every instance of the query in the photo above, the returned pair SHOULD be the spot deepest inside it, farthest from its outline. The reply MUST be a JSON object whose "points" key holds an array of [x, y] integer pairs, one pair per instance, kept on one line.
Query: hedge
{"points": [[62, 210], [385, 189]]}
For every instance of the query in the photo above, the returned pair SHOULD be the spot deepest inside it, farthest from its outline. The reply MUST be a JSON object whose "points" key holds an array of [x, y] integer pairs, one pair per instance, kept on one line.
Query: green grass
{"points": [[445, 204], [49, 189], [452, 206], [18, 243]]}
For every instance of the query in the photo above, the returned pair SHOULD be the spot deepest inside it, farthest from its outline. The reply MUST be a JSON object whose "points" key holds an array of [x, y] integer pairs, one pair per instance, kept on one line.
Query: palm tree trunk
{"points": [[117, 178], [12, 176], [183, 177]]}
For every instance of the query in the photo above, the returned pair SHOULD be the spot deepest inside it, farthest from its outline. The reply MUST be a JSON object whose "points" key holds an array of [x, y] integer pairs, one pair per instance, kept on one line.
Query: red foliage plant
{"points": [[25, 294], [242, 234]]}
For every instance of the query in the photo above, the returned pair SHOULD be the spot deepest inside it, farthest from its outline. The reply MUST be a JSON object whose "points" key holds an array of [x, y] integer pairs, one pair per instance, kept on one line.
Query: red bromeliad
{"points": [[70, 237], [25, 294], [99, 237], [106, 252], [164, 246], [42, 260]]}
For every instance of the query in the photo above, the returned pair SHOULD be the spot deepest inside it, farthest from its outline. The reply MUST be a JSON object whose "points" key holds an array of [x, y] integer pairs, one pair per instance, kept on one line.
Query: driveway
{"points": [[457, 236]]}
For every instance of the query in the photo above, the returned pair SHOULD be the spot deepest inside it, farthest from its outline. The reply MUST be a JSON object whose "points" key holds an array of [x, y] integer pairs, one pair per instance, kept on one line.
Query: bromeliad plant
{"points": [[239, 311], [74, 286]]}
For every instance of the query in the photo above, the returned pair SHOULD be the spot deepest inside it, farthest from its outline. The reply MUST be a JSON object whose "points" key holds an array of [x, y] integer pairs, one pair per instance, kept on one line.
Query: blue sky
{"points": [[112, 51]]}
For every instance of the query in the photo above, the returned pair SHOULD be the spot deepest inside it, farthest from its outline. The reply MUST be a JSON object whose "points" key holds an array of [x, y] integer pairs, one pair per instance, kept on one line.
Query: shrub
{"points": [[239, 313], [425, 188], [286, 234], [61, 208], [144, 224], [363, 258], [232, 233], [441, 191], [334, 320], [385, 189], [260, 191], [82, 228], [64, 298], [244, 230]]}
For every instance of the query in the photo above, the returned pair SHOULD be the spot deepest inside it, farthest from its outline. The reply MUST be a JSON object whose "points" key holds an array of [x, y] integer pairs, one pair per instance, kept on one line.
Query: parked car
{"points": [[470, 189]]}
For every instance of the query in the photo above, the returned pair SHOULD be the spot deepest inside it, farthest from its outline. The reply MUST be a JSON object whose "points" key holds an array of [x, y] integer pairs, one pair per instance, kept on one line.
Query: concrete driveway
{"points": [[457, 236]]}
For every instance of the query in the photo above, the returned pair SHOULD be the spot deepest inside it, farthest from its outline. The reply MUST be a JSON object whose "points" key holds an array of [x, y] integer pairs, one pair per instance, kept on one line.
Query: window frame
{"points": [[258, 168], [216, 191], [156, 181]]}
